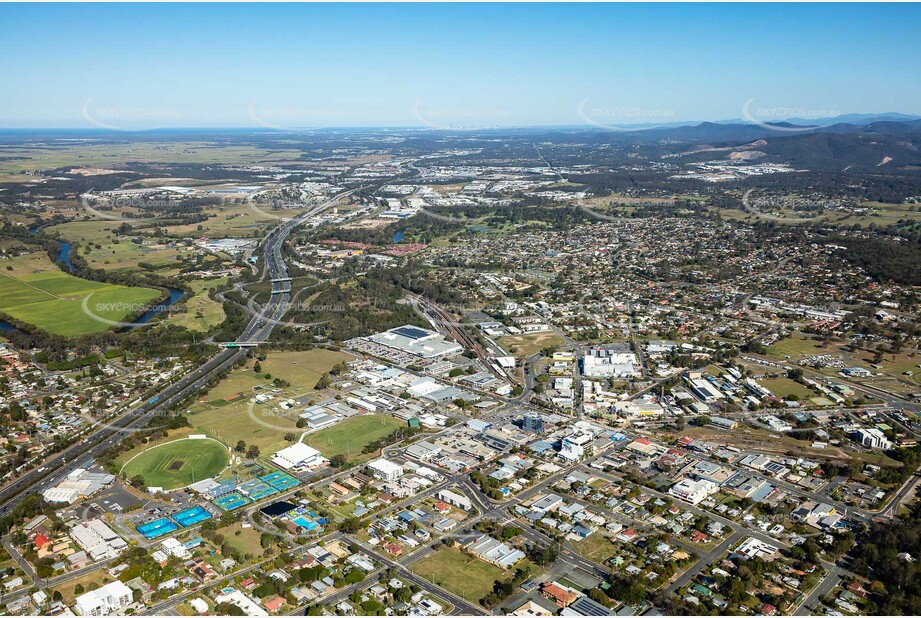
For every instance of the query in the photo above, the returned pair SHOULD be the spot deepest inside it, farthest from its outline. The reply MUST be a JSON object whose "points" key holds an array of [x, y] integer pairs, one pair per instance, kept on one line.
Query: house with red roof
{"points": [[273, 604]]}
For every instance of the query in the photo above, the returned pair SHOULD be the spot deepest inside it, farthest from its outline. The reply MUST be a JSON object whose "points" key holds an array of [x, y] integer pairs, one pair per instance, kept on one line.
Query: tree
{"points": [[252, 452], [240, 447]]}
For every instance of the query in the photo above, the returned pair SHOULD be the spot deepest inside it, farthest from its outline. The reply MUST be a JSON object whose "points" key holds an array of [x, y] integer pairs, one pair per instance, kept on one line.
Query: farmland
{"points": [[37, 292]]}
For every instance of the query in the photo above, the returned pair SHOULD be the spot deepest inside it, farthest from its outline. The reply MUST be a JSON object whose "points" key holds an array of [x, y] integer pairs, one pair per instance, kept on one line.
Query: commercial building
{"points": [[495, 552], [705, 390], [109, 599], [384, 469], [693, 491], [872, 438], [609, 363], [576, 446], [756, 548], [417, 341], [454, 499], [532, 423]]}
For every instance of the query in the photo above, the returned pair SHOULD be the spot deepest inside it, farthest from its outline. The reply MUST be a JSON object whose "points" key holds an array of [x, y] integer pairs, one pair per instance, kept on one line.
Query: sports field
{"points": [[351, 435], [178, 463], [37, 292]]}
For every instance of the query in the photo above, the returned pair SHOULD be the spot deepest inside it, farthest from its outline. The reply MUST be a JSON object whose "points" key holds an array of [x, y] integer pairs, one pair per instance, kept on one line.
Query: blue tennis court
{"points": [[231, 502], [191, 516], [157, 528], [257, 489], [280, 481]]}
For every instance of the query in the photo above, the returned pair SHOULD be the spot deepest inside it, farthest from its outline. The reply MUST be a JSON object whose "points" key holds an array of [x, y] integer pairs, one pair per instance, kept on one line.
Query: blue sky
{"points": [[285, 65]]}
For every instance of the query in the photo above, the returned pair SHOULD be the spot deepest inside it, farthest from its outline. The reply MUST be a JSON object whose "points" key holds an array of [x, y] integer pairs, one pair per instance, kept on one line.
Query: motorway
{"points": [[83, 453]]}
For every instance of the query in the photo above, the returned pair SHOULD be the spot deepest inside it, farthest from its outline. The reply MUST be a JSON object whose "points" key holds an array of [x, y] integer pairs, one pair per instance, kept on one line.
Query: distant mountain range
{"points": [[879, 143]]}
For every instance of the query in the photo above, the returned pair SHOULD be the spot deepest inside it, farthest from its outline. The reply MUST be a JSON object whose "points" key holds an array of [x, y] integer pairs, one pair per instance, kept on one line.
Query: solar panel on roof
{"points": [[411, 332]]}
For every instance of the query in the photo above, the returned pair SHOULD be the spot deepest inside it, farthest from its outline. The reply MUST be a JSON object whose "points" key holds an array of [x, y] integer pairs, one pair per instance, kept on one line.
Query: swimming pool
{"points": [[306, 524]]}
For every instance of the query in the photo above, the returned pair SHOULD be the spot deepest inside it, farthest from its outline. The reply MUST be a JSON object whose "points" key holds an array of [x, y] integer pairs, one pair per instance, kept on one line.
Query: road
{"points": [[83, 453], [808, 605]]}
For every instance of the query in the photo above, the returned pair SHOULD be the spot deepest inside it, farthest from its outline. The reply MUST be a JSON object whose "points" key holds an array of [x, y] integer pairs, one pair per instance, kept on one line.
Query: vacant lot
{"points": [[236, 421], [37, 292], [595, 547], [178, 463], [90, 581], [784, 387], [457, 572], [244, 540], [351, 435], [798, 346], [526, 345]]}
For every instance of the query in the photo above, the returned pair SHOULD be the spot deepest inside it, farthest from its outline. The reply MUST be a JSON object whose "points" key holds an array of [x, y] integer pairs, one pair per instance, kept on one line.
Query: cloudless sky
{"points": [[287, 65]]}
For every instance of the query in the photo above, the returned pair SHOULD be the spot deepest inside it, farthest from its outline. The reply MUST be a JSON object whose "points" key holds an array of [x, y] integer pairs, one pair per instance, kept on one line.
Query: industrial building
{"points": [[97, 539], [298, 455]]}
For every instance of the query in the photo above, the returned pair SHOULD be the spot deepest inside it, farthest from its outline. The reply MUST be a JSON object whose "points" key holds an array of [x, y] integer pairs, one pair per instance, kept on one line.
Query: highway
{"points": [[83, 453]]}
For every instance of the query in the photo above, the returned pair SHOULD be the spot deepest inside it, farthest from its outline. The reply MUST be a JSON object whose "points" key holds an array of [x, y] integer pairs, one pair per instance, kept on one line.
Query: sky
{"points": [[143, 66]]}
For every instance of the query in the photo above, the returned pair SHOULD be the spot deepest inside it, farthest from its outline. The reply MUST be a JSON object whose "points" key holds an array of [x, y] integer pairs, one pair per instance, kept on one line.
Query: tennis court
{"points": [[156, 528], [256, 490], [191, 516], [280, 481], [231, 502]]}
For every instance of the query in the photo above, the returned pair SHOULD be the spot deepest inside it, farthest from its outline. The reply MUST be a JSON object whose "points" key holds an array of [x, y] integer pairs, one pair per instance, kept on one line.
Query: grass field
{"points": [[784, 387], [447, 563], [595, 547], [178, 463], [797, 346], [36, 291], [526, 345], [351, 435], [246, 542], [231, 422], [201, 311]]}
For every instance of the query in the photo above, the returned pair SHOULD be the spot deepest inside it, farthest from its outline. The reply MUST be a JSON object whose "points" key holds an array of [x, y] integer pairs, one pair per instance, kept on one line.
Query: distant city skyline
{"points": [[287, 66]]}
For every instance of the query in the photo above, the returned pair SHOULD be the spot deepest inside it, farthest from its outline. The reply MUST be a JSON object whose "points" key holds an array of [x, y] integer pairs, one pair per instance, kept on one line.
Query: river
{"points": [[64, 254], [175, 294]]}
